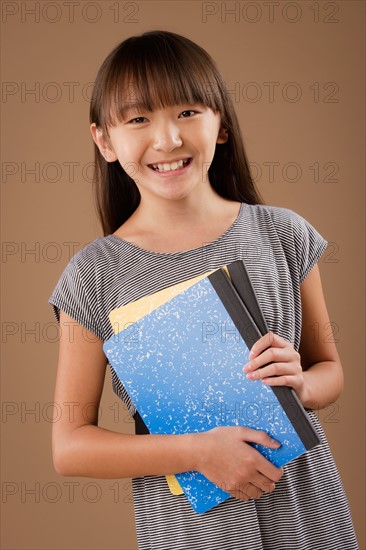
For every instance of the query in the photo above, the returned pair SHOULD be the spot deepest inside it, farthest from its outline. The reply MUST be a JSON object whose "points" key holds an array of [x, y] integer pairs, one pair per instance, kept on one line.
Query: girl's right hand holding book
{"points": [[225, 458]]}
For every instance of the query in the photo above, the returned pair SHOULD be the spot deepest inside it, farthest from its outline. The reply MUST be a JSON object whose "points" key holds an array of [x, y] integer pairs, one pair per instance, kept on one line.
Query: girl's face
{"points": [[167, 152]]}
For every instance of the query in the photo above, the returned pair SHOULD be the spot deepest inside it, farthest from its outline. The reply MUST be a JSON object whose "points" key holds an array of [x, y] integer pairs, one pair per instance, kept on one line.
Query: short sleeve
{"points": [[71, 296], [309, 245], [302, 243]]}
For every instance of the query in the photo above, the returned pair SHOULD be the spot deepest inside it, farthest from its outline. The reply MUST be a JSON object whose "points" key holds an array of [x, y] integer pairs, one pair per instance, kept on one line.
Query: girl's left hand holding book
{"points": [[315, 371], [274, 360]]}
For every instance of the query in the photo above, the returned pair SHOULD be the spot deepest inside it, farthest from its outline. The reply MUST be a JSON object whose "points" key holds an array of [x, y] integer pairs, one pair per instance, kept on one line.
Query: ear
{"points": [[102, 143], [223, 135]]}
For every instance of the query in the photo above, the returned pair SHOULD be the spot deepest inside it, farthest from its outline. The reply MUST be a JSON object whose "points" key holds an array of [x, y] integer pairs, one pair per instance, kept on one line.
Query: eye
{"points": [[139, 118], [188, 111]]}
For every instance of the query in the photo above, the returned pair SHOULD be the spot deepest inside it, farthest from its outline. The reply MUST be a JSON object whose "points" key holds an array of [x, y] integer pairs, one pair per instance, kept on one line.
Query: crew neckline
{"points": [[180, 252]]}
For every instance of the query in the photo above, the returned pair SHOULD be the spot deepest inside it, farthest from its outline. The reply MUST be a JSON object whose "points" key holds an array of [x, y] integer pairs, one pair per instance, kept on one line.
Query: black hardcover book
{"points": [[239, 298]]}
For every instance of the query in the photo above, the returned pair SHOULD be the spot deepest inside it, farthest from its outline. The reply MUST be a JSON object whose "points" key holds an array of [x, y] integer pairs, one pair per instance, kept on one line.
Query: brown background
{"points": [[312, 126]]}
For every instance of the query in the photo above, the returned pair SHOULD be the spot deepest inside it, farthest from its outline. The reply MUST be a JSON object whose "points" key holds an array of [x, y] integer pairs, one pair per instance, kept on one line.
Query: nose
{"points": [[166, 136]]}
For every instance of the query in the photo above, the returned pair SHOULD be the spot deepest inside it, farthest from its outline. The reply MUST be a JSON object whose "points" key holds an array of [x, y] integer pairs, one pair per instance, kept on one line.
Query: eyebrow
{"points": [[130, 107]]}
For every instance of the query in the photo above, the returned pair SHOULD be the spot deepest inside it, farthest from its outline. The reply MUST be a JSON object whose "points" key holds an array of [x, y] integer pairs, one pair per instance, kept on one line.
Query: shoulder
{"points": [[301, 242], [87, 270], [81, 289], [285, 221], [277, 215], [95, 254]]}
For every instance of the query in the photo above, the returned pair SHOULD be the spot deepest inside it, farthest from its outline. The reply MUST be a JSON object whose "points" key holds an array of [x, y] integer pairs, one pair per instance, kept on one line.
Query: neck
{"points": [[165, 215]]}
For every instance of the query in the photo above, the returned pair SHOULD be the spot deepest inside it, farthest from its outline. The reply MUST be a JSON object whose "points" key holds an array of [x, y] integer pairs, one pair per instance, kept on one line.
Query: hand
{"points": [[284, 368], [226, 459]]}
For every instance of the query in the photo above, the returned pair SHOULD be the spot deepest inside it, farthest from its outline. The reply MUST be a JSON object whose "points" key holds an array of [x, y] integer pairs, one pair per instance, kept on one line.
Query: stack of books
{"points": [[180, 353]]}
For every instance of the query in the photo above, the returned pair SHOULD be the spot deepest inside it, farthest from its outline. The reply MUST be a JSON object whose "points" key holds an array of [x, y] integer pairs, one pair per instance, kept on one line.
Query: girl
{"points": [[176, 199]]}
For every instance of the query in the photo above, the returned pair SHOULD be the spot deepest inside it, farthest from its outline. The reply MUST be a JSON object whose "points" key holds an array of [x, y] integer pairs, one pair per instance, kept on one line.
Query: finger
{"points": [[239, 495], [263, 465], [258, 436], [274, 369], [246, 491], [264, 483], [270, 355], [252, 490], [236, 491], [281, 381], [268, 340], [268, 469]]}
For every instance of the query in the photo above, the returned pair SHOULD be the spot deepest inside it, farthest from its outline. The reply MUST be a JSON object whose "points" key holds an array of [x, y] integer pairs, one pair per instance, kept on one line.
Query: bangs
{"points": [[147, 73]]}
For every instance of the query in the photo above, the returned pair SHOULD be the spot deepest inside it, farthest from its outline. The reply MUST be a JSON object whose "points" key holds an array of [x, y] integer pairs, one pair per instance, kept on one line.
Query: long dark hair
{"points": [[162, 68]]}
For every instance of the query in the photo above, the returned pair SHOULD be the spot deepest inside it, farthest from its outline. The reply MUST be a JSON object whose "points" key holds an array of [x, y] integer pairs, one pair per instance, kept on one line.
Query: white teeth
{"points": [[169, 167]]}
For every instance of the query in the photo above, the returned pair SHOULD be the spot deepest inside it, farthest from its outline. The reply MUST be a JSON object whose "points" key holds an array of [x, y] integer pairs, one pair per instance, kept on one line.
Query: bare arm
{"points": [[323, 373], [81, 448]]}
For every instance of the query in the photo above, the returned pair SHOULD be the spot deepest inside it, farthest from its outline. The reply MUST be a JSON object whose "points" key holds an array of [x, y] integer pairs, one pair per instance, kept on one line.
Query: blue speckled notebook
{"points": [[182, 367]]}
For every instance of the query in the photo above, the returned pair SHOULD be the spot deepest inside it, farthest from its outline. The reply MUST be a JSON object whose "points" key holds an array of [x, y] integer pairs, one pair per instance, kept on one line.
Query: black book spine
{"points": [[243, 285]]}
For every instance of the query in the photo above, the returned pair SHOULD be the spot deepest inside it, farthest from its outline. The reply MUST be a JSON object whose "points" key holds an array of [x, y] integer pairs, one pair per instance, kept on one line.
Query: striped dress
{"points": [[308, 509]]}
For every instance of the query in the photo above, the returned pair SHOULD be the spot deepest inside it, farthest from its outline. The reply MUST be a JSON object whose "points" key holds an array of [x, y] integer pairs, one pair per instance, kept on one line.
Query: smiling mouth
{"points": [[170, 167]]}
